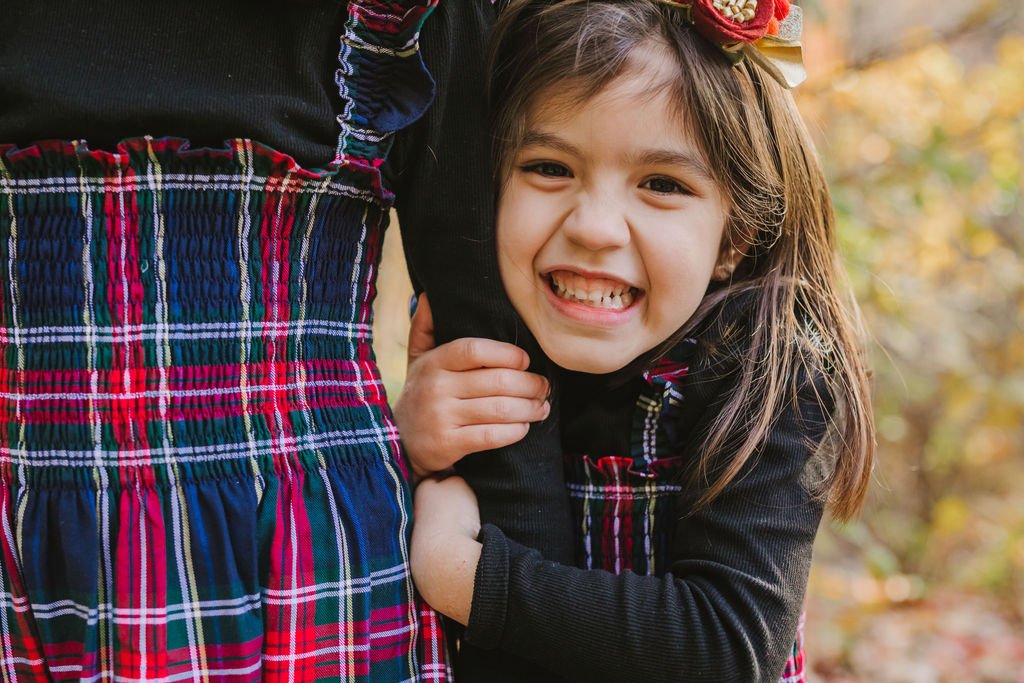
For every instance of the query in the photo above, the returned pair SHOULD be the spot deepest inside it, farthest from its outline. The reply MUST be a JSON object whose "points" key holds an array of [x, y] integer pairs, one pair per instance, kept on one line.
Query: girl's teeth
{"points": [[574, 288]]}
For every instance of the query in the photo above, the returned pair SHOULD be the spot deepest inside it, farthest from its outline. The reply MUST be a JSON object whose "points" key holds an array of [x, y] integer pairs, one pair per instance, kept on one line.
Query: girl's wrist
{"points": [[418, 473]]}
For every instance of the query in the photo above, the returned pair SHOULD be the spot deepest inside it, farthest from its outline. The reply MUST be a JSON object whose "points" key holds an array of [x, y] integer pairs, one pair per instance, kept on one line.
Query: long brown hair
{"points": [[780, 218]]}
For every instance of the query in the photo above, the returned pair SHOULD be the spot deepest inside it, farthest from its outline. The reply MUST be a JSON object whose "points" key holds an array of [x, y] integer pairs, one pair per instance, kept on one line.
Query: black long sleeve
{"points": [[445, 200], [728, 608]]}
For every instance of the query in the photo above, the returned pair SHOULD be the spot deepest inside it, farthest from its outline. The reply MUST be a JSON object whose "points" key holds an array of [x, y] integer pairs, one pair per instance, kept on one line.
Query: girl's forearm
{"points": [[444, 552], [443, 569], [713, 623]]}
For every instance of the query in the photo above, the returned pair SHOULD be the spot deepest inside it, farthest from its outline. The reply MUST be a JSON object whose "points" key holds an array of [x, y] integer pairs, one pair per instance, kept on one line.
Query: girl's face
{"points": [[610, 224]]}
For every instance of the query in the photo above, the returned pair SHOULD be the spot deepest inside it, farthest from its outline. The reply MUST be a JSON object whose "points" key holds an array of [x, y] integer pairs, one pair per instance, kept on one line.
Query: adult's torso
{"points": [[199, 474]]}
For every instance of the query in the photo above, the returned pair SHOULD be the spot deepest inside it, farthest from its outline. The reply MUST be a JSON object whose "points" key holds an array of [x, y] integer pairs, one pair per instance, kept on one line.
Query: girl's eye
{"points": [[548, 169], [665, 186]]}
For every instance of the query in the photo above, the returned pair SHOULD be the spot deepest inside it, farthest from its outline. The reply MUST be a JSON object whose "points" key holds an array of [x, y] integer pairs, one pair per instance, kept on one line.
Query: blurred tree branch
{"points": [[987, 17]]}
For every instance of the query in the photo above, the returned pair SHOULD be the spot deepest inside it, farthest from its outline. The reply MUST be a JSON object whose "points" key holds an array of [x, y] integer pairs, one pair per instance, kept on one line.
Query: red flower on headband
{"points": [[725, 22]]}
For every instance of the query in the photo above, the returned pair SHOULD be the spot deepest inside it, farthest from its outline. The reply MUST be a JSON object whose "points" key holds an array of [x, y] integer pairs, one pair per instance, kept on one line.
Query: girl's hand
{"points": [[444, 551], [462, 397]]}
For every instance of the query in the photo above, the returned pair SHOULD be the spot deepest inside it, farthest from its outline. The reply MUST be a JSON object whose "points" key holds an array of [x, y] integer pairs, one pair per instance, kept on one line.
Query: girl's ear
{"points": [[728, 259]]}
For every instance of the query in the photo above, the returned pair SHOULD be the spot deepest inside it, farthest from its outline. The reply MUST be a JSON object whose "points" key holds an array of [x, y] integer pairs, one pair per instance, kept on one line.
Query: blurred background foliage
{"points": [[919, 115], [918, 111]]}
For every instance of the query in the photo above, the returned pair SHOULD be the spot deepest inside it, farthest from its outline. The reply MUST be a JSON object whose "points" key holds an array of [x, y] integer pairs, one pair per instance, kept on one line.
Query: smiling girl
{"points": [[666, 233]]}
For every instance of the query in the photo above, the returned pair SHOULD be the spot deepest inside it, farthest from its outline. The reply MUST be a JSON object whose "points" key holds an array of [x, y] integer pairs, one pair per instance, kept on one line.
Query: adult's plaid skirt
{"points": [[199, 475]]}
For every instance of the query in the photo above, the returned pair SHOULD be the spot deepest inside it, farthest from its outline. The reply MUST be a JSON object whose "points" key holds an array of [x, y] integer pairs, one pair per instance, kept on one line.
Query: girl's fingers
{"points": [[500, 382], [485, 437], [501, 410], [471, 353]]}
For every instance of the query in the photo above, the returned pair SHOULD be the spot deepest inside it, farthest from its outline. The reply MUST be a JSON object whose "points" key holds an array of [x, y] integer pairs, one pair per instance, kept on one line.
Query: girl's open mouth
{"points": [[599, 293]]}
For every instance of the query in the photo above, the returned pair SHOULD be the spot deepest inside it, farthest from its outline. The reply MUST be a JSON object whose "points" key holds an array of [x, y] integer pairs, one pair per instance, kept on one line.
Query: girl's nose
{"points": [[597, 224]]}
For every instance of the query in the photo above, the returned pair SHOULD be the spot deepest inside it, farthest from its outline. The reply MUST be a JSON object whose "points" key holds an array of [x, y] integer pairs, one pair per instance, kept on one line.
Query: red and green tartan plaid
{"points": [[200, 479], [624, 507]]}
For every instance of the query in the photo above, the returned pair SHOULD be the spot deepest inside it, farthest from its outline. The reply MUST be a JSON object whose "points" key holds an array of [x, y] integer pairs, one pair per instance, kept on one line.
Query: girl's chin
{"points": [[590, 363]]}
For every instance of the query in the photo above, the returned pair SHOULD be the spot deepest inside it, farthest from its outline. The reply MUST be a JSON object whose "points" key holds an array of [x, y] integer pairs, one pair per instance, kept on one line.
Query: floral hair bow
{"points": [[764, 31]]}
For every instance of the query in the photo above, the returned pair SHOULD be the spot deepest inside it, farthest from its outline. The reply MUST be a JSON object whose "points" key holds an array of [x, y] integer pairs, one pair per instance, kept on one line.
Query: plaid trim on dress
{"points": [[624, 507], [200, 478]]}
